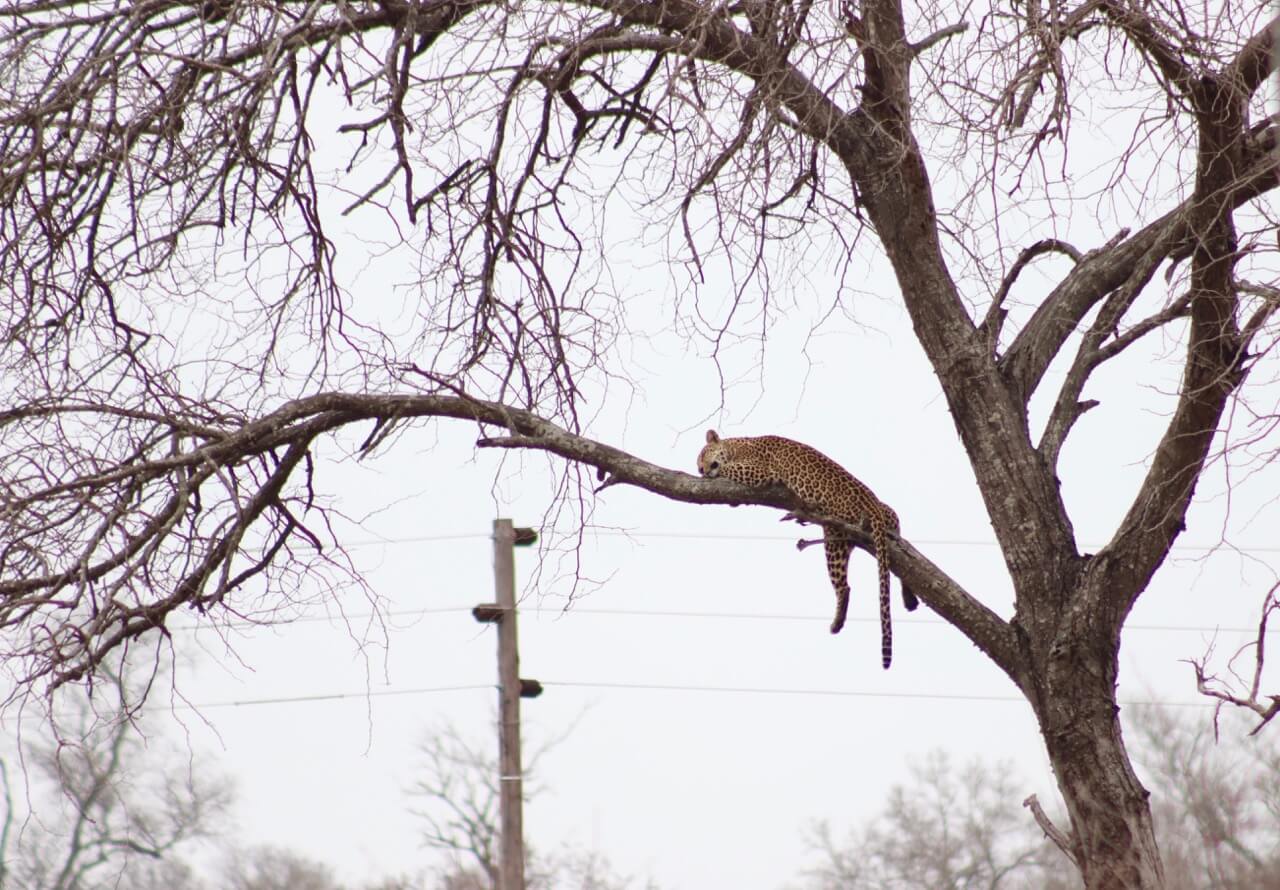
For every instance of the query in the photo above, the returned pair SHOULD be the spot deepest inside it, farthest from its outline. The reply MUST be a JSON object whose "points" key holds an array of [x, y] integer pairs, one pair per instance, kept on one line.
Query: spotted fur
{"points": [[828, 488]]}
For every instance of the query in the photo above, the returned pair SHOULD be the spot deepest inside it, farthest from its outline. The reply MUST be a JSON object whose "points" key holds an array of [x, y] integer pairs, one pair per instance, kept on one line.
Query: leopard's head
{"points": [[712, 456]]}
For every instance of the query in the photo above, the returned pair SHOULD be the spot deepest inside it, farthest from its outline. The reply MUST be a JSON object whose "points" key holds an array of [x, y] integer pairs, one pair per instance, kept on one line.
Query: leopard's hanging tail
{"points": [[880, 537], [909, 599]]}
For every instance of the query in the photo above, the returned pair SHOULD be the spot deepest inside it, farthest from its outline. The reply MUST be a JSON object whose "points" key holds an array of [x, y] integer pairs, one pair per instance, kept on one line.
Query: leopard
{"points": [[827, 488]]}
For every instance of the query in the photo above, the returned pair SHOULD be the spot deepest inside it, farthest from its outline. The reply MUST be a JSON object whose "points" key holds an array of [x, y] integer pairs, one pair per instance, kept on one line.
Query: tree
{"points": [[153, 152], [270, 868], [276, 868], [457, 786], [456, 794], [951, 828], [103, 812], [110, 807], [960, 828], [1215, 802]]}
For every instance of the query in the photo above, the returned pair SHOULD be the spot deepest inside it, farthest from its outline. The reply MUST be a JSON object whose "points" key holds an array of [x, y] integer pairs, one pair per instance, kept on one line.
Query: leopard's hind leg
{"points": [[837, 549]]}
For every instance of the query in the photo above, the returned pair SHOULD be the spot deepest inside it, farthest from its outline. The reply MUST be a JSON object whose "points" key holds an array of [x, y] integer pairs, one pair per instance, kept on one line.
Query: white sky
{"points": [[694, 788], [667, 777]]}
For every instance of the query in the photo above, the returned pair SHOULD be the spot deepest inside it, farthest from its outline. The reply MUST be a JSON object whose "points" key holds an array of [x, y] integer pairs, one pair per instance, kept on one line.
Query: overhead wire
{"points": [[652, 613], [317, 697], [738, 536], [850, 693], [638, 687]]}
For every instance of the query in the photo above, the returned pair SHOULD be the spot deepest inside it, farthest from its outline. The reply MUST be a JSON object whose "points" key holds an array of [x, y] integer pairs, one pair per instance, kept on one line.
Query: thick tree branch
{"points": [[1216, 359], [1155, 42], [986, 629], [993, 321], [1104, 270], [1095, 349], [938, 36], [293, 427], [1256, 60]]}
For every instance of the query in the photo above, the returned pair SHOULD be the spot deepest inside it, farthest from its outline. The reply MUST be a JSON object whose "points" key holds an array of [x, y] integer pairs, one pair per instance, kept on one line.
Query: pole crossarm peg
{"points": [[487, 613]]}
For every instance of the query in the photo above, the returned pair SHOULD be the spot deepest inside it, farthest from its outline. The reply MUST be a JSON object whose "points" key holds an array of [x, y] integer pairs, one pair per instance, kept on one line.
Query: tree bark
{"points": [[1112, 832], [1071, 685]]}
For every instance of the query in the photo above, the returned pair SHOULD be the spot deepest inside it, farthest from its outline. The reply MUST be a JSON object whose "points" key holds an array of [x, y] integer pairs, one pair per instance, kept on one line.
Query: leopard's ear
{"points": [[712, 436]]}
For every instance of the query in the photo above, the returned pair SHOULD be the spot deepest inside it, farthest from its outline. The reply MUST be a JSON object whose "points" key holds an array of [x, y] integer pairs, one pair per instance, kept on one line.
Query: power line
{"points": [[417, 539], [867, 619], [662, 613], [735, 536], [770, 690], [641, 687], [317, 697], [847, 693]]}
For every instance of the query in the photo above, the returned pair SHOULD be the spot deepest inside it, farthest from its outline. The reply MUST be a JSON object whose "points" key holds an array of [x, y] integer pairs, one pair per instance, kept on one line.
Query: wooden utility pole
{"points": [[510, 690]]}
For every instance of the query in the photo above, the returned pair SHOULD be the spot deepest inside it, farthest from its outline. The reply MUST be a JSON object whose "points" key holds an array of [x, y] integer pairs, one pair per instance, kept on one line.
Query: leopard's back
{"points": [[806, 471]]}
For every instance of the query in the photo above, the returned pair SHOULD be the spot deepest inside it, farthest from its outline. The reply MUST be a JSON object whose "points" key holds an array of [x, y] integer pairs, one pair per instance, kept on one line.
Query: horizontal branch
{"points": [[69, 647], [939, 591]]}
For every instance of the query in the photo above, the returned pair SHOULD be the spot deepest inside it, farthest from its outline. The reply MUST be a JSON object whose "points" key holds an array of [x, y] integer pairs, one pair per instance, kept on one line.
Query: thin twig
{"points": [[1214, 687]]}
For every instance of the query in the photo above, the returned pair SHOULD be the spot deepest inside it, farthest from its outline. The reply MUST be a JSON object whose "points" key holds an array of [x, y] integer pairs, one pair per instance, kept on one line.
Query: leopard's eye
{"points": [[715, 465]]}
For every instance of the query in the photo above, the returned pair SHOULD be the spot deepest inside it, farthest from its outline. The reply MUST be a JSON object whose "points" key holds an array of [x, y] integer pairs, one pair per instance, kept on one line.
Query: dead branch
{"points": [[1221, 690], [994, 318], [1061, 840], [938, 36]]}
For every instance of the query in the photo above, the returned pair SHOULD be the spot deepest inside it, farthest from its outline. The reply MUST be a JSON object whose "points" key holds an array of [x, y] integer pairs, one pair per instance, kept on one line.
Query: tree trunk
{"points": [[1074, 696]]}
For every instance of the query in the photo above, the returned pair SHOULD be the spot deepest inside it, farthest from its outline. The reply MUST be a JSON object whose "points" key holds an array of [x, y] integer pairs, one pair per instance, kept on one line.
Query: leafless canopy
{"points": [[175, 305], [180, 331], [89, 806]]}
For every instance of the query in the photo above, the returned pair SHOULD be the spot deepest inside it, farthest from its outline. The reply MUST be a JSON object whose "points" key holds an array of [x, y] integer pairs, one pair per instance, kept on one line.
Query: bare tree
{"points": [[158, 445], [278, 868], [456, 795], [102, 812], [457, 790], [272, 868], [951, 828], [1216, 802], [1215, 808]]}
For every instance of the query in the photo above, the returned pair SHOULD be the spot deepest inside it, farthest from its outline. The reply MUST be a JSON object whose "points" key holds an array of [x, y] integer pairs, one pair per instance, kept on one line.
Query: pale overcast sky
{"points": [[714, 718], [661, 773]]}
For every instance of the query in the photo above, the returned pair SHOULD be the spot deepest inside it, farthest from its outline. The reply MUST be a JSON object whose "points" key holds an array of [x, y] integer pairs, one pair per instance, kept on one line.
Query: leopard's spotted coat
{"points": [[828, 488]]}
